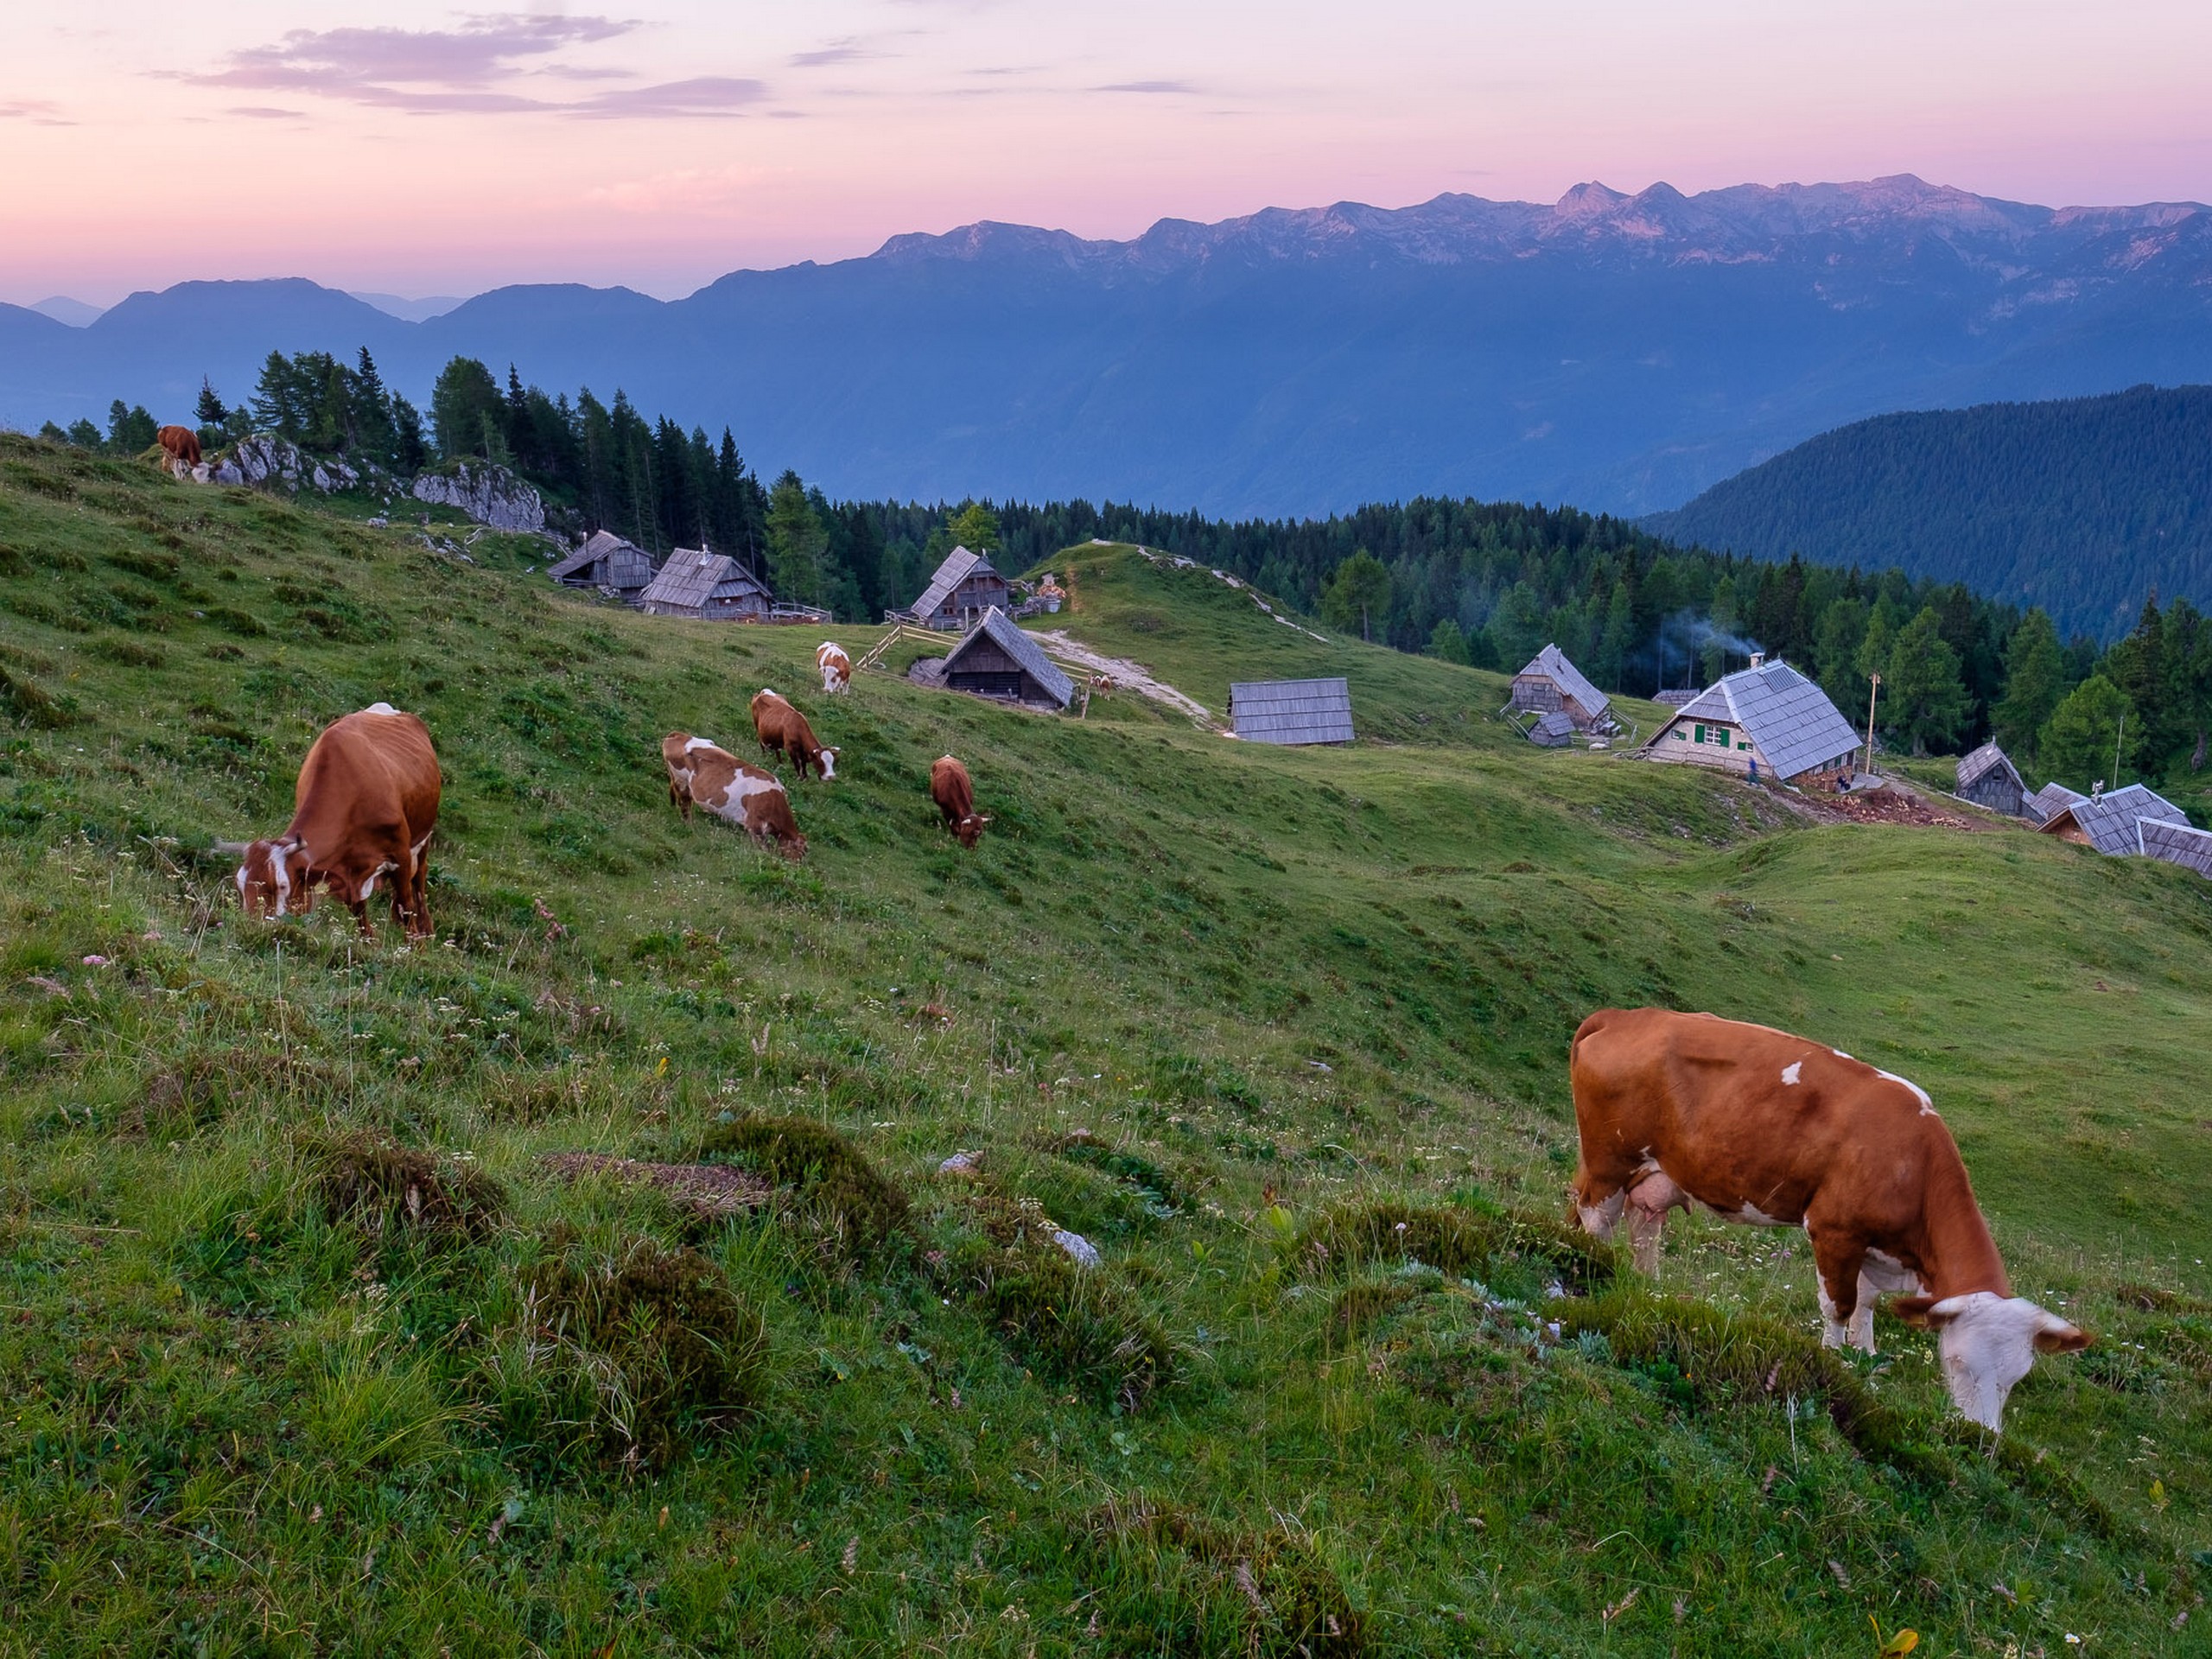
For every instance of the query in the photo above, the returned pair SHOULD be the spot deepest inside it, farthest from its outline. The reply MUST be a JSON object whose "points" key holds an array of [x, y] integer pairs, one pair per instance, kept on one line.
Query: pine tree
{"points": [[1928, 700], [796, 541], [209, 410], [2084, 743], [467, 411], [975, 527], [1447, 643], [2034, 682]]}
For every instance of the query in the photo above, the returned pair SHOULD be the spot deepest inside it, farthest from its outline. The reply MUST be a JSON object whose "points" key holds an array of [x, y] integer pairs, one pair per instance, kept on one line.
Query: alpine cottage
{"points": [[2107, 820], [1989, 779], [607, 561], [1767, 721], [964, 588], [2051, 800], [998, 660], [1550, 683], [712, 587]]}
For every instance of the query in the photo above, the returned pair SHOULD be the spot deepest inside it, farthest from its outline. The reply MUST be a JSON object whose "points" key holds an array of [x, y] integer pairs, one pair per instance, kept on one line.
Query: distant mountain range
{"points": [[1622, 353], [2085, 506]]}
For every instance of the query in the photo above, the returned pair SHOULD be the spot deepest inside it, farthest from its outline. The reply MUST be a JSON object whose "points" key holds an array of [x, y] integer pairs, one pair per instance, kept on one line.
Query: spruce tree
{"points": [[2085, 741], [796, 541], [209, 410], [1928, 700], [2034, 682]]}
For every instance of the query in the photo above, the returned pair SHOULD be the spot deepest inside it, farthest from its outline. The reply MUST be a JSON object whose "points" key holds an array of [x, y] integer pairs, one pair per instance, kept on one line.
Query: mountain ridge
{"points": [[1620, 351]]}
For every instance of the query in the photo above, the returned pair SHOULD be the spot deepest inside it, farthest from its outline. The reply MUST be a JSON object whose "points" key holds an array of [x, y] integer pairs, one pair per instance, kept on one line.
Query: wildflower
{"points": [[95, 962]]}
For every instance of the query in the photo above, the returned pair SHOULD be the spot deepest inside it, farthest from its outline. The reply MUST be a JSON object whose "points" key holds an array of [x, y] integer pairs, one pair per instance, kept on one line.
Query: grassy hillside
{"points": [[310, 1346], [2084, 505]]}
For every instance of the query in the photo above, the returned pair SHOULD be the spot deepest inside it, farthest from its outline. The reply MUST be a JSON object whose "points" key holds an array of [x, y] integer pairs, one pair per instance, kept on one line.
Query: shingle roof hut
{"points": [[1551, 681], [964, 588], [1767, 720], [997, 659], [2049, 800], [1290, 711], [711, 586], [1988, 777], [2107, 822], [2176, 843], [607, 561], [1552, 730]]}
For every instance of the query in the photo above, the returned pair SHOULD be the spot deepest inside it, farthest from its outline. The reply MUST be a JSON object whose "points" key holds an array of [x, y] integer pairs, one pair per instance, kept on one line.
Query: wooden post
{"points": [[1873, 691]]}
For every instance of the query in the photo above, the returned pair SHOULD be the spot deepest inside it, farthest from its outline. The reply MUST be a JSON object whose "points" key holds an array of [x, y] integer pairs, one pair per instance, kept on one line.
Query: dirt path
{"points": [[1123, 672]]}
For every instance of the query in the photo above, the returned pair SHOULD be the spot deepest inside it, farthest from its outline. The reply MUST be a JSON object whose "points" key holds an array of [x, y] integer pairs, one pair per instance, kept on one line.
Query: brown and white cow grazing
{"points": [[836, 667], [955, 798], [783, 730], [179, 443], [1761, 1126], [364, 807], [745, 796]]}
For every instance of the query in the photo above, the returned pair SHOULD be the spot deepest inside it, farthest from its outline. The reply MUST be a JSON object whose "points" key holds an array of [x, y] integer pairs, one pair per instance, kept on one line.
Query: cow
{"points": [[783, 730], [837, 668], [1761, 1127], [181, 444], [365, 807], [743, 795], [955, 798]]}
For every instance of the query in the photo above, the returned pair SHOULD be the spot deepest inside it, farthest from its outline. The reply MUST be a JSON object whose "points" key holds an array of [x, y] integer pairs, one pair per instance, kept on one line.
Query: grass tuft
{"points": [[858, 1211], [382, 1187], [1456, 1241]]}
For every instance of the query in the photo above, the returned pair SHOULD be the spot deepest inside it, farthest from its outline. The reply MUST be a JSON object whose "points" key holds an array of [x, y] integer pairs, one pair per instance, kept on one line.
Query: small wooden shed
{"points": [[712, 587], [1551, 683], [1988, 779], [1552, 730], [997, 659], [2109, 821], [1290, 711], [2051, 800], [964, 588], [607, 561]]}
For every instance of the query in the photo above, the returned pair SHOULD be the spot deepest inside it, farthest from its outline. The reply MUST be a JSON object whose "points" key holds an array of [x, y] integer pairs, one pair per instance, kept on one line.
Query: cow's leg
{"points": [[1837, 1259], [1597, 1202], [418, 892]]}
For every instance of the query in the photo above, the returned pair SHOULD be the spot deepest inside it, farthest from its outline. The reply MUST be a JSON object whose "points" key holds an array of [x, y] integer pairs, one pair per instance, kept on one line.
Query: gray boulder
{"points": [[491, 495]]}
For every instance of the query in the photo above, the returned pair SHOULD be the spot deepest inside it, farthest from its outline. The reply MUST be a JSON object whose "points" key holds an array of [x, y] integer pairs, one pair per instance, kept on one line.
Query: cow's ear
{"points": [[2057, 1336], [1921, 1310]]}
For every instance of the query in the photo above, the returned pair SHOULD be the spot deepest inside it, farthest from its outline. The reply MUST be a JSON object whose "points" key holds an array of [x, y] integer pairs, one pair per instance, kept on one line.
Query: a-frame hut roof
{"points": [[1551, 730], [690, 578], [2053, 798], [1787, 716], [958, 565], [2176, 843], [1984, 760], [1000, 630], [1290, 711], [1553, 664], [2109, 820]]}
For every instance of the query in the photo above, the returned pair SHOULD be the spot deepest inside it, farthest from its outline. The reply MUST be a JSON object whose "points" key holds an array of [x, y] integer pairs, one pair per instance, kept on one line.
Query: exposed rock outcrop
{"points": [[265, 462], [491, 495]]}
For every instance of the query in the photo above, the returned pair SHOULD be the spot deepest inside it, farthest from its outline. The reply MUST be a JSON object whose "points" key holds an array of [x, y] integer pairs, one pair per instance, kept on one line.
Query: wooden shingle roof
{"points": [[2109, 820], [1791, 718], [690, 578], [1984, 760], [998, 629], [1553, 664], [958, 565], [2176, 843], [2051, 799], [1290, 711]]}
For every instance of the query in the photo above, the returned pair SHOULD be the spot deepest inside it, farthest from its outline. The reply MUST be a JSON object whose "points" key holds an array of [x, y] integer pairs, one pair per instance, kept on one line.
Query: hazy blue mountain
{"points": [[407, 310], [1619, 351], [76, 313], [2085, 506]]}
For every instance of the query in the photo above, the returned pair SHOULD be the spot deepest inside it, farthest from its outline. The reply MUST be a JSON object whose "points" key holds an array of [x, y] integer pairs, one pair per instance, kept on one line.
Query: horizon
{"points": [[660, 150]]}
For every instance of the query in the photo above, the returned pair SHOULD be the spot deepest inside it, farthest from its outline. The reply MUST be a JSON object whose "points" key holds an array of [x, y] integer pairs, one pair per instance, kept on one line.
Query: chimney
{"points": [[1759, 659]]}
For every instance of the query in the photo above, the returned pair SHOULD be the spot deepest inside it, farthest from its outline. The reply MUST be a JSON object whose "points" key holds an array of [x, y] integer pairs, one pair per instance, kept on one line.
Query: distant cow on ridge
{"points": [[1761, 1127], [783, 730], [837, 668], [180, 444], [366, 805], [955, 796], [745, 796]]}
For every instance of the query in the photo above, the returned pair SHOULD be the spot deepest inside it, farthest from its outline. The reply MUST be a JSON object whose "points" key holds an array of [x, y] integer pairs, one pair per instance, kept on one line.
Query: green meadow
{"points": [[310, 1345]]}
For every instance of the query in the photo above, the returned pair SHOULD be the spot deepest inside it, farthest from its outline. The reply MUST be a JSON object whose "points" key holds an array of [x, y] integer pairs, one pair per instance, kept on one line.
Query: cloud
{"points": [[470, 70], [35, 111], [265, 113], [1171, 88], [845, 51]]}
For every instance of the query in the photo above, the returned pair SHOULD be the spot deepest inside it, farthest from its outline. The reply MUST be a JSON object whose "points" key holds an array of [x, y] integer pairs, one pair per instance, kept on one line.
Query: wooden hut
{"points": [[1550, 683], [2108, 820], [1767, 721], [997, 659], [2176, 843], [2051, 799], [1988, 779], [964, 588], [607, 561], [1554, 730], [1290, 711], [712, 587]]}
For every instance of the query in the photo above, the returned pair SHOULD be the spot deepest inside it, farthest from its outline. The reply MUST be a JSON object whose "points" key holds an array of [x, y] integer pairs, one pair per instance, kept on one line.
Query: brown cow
{"points": [[837, 668], [180, 444], [1761, 1127], [955, 798], [783, 730], [745, 796], [365, 806]]}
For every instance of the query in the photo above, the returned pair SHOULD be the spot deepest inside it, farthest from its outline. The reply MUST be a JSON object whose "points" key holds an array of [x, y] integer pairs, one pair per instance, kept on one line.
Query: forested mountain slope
{"points": [[310, 1345], [2085, 506]]}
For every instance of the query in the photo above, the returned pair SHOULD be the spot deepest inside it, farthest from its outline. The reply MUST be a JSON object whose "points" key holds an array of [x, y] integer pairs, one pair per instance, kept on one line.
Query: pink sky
{"points": [[419, 148]]}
